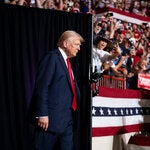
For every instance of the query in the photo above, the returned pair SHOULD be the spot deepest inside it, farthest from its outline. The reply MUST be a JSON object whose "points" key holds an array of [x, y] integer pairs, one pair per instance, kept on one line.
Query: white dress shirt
{"points": [[98, 58]]}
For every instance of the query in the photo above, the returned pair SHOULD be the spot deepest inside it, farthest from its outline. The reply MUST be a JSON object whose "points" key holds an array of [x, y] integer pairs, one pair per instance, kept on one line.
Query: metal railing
{"points": [[112, 82]]}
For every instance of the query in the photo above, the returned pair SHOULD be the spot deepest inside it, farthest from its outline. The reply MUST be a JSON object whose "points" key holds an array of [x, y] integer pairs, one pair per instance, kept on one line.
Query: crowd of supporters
{"points": [[133, 39], [134, 42], [89, 6]]}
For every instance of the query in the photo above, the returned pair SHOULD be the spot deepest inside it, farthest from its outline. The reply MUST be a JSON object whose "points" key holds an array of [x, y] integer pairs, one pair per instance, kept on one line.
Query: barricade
{"points": [[112, 82]]}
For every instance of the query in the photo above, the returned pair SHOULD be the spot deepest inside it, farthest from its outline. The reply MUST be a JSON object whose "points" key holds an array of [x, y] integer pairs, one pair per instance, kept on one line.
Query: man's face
{"points": [[72, 46], [101, 45], [132, 52], [97, 29]]}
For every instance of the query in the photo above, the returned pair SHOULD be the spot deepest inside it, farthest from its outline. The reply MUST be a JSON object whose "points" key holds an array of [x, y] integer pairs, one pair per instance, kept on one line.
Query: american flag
{"points": [[117, 111]]}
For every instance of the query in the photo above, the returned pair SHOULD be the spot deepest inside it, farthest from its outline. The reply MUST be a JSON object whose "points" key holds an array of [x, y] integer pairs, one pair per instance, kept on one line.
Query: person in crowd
{"points": [[127, 6], [76, 7], [144, 12], [123, 64], [97, 29], [100, 55], [13, 2], [57, 95], [40, 3], [136, 7], [139, 52], [109, 67], [147, 55], [49, 4], [140, 67], [104, 26], [118, 61], [84, 6], [19, 2]]}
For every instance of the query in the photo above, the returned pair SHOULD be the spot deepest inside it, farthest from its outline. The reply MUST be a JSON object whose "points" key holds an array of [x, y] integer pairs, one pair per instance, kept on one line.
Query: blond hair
{"points": [[67, 35]]}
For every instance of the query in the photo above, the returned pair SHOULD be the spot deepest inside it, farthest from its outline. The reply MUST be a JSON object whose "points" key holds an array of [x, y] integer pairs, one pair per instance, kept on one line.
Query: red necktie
{"points": [[74, 102]]}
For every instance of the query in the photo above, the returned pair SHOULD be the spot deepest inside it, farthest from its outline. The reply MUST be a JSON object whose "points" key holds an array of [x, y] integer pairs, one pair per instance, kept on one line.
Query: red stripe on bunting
{"points": [[103, 131]]}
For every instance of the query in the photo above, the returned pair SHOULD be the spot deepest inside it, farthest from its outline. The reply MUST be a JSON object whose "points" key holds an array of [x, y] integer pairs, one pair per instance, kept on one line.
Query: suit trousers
{"points": [[46, 140]]}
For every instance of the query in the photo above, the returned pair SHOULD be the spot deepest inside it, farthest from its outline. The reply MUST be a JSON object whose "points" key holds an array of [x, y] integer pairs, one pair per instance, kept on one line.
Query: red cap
{"points": [[137, 35]]}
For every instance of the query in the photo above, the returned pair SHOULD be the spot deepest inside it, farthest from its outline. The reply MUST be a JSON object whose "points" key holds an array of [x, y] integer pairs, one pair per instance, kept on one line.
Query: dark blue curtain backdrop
{"points": [[25, 35]]}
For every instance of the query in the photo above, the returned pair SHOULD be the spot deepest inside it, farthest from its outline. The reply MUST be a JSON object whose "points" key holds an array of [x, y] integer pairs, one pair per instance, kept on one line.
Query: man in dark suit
{"points": [[55, 95]]}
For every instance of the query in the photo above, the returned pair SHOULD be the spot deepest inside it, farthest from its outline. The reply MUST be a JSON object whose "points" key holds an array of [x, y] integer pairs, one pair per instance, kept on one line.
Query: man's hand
{"points": [[43, 122]]}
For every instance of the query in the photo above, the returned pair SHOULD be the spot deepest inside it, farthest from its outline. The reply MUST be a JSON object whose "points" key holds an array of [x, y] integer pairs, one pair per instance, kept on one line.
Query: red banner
{"points": [[144, 81]]}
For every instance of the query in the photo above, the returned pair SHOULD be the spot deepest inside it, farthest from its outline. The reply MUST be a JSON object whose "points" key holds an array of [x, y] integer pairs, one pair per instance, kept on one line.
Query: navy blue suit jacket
{"points": [[53, 91]]}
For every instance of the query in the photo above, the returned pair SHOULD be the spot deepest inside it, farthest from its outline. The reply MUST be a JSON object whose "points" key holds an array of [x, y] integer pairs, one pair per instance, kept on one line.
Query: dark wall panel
{"points": [[26, 34]]}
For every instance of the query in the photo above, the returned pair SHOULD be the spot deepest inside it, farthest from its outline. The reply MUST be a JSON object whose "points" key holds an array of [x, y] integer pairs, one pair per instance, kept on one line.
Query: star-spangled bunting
{"points": [[117, 111], [107, 111]]}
